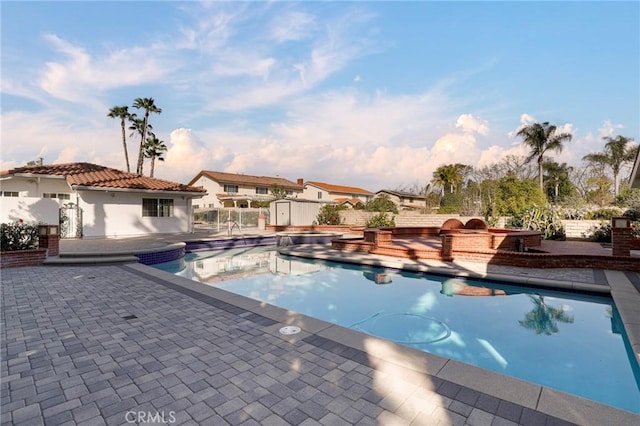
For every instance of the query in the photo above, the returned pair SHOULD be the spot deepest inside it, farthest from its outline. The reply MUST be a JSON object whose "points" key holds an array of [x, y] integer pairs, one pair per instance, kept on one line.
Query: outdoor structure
{"points": [[293, 212], [404, 200], [239, 190], [339, 194], [89, 200]]}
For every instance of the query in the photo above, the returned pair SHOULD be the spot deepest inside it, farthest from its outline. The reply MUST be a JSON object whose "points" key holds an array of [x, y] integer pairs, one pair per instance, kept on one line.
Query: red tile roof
{"points": [[240, 179], [339, 188], [352, 201], [93, 175]]}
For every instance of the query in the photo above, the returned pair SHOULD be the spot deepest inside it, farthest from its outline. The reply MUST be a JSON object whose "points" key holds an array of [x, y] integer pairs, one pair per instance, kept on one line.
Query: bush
{"points": [[381, 203], [603, 214], [451, 203], [329, 214], [599, 233], [547, 220], [18, 236], [381, 221]]}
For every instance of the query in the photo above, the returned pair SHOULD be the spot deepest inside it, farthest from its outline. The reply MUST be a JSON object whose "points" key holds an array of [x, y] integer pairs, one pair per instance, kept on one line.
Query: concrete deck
{"points": [[103, 344]]}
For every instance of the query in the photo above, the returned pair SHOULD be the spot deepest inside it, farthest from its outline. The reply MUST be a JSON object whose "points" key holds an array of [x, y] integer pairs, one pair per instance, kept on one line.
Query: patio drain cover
{"points": [[129, 317], [290, 329]]}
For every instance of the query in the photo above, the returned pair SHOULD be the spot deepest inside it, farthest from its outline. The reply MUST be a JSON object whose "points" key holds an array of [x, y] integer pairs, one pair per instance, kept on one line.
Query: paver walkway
{"points": [[107, 345]]}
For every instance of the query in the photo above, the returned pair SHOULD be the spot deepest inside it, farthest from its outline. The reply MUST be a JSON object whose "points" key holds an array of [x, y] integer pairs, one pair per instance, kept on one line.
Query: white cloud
{"points": [[470, 123], [291, 26], [609, 129]]}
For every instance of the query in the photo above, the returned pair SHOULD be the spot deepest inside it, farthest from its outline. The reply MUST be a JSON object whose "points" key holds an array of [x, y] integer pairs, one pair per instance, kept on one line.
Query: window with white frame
{"points": [[319, 195], [59, 196], [157, 207], [262, 190], [231, 189], [10, 194]]}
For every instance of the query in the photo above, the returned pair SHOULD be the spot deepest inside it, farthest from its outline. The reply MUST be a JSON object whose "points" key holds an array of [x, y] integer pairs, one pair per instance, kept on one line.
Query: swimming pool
{"points": [[567, 341]]}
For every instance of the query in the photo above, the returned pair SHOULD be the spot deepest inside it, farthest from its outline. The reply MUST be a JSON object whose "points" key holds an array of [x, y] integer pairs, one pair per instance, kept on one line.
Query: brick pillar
{"points": [[447, 245], [621, 236], [49, 238], [383, 238]]}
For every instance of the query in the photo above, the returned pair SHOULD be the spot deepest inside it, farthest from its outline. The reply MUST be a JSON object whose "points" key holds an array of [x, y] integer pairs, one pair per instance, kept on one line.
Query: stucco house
{"points": [[239, 190], [90, 200], [404, 200], [327, 192]]}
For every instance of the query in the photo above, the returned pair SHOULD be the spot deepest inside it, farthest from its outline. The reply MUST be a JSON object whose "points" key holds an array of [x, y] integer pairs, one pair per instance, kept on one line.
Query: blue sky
{"points": [[370, 94]]}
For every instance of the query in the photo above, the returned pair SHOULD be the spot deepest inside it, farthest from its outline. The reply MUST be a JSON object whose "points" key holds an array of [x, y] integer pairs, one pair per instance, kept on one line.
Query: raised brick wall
{"points": [[573, 228], [14, 259]]}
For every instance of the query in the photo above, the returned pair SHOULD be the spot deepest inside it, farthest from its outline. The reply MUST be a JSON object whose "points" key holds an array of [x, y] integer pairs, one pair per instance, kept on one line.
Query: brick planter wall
{"points": [[14, 259]]}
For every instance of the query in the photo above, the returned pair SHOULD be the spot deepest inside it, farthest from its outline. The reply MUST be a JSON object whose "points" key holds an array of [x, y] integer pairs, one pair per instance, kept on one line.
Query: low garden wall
{"points": [[573, 228], [17, 258]]}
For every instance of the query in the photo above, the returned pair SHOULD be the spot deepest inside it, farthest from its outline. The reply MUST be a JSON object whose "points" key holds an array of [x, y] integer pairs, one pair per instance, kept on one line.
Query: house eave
{"points": [[134, 190]]}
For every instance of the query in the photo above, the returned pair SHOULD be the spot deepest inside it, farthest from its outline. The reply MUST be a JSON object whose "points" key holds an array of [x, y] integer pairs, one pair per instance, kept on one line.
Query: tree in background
{"points": [[137, 127], [541, 138], [556, 178], [122, 112], [616, 154], [382, 203], [154, 149], [450, 176], [512, 196], [149, 106], [278, 192]]}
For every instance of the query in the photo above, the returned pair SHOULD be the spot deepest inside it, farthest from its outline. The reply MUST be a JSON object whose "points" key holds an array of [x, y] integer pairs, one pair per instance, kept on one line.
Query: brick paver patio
{"points": [[106, 345]]}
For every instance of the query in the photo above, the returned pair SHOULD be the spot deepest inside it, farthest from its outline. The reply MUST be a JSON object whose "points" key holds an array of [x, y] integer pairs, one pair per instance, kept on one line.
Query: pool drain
{"points": [[289, 329]]}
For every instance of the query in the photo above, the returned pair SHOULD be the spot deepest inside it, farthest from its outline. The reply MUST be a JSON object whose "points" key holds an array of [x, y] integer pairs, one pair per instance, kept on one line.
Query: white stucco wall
{"points": [[35, 186], [212, 188], [119, 214], [29, 209]]}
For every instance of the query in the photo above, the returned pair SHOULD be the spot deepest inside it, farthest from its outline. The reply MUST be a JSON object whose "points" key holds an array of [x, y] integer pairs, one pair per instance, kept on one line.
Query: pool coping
{"points": [[413, 364]]}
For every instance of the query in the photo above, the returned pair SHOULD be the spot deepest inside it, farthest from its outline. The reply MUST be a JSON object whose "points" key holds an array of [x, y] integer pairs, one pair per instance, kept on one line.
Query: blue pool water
{"points": [[567, 341]]}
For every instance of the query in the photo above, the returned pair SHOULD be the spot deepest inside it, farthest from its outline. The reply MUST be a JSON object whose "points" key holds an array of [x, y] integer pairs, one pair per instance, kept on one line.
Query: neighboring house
{"points": [[330, 193], [238, 190], [404, 200], [88, 200]]}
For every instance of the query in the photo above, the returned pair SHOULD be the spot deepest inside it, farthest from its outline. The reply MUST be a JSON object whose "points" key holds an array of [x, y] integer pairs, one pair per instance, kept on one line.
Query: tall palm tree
{"points": [[153, 149], [122, 112], [541, 138], [149, 106], [616, 153], [137, 127]]}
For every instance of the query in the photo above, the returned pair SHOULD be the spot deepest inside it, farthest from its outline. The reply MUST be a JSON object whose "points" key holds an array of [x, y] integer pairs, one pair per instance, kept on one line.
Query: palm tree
{"points": [[149, 106], [543, 319], [616, 153], [450, 175], [555, 173], [541, 138], [122, 112], [154, 148], [137, 127]]}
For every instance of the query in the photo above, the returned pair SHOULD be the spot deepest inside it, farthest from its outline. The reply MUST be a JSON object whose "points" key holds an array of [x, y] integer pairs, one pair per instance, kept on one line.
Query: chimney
{"points": [[300, 181]]}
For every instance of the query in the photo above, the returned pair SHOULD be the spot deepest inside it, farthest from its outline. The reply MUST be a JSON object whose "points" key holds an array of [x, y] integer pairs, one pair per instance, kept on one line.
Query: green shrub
{"points": [[603, 214], [599, 233], [381, 221], [381, 203], [329, 214], [18, 236], [547, 220], [451, 203]]}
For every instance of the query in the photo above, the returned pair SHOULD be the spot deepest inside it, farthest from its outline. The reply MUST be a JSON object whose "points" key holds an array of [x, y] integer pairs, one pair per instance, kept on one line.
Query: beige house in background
{"points": [[330, 193], [239, 190], [404, 200]]}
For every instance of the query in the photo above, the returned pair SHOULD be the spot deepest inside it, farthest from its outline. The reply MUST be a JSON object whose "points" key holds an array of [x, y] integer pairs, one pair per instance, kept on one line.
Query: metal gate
{"points": [[70, 218]]}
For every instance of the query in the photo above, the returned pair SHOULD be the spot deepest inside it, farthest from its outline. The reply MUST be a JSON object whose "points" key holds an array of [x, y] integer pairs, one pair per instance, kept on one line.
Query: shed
{"points": [[294, 212]]}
